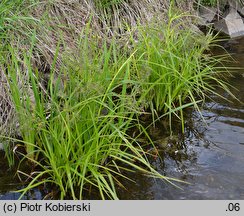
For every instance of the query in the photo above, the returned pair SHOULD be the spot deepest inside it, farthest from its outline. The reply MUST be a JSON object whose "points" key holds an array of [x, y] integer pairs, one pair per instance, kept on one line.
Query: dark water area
{"points": [[10, 183], [210, 157]]}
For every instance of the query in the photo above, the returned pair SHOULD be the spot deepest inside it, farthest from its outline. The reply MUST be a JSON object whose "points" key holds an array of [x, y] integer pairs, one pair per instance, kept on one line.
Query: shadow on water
{"points": [[210, 158]]}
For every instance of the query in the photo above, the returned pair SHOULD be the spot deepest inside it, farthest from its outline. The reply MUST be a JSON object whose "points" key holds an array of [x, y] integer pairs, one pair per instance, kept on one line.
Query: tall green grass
{"points": [[82, 138], [174, 67], [12, 19], [77, 130]]}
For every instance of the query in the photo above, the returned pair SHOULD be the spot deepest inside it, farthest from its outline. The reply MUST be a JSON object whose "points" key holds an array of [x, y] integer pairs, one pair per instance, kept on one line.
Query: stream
{"points": [[210, 157]]}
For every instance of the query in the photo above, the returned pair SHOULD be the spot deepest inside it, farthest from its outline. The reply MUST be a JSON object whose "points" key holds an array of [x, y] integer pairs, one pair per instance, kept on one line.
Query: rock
{"points": [[207, 14], [233, 3], [231, 24], [237, 6]]}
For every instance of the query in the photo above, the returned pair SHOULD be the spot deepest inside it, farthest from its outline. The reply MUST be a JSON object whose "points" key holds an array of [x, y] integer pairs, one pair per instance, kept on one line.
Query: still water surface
{"points": [[211, 157]]}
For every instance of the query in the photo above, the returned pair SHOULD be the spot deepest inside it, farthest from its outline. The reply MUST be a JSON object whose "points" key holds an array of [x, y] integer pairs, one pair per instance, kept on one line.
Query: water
{"points": [[9, 183], [210, 158]]}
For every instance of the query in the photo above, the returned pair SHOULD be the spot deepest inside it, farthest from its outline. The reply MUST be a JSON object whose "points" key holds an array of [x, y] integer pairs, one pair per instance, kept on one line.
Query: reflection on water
{"points": [[211, 157]]}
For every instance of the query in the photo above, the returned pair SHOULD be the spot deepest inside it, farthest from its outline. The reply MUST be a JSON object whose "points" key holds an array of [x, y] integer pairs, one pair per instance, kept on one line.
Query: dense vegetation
{"points": [[79, 76]]}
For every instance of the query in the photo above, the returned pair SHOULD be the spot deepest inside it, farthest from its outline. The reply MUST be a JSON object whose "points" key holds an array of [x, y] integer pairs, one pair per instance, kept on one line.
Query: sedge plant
{"points": [[76, 129], [174, 67], [79, 138]]}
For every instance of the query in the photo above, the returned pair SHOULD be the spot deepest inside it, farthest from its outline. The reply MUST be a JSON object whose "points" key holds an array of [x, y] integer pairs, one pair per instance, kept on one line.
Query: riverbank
{"points": [[77, 88]]}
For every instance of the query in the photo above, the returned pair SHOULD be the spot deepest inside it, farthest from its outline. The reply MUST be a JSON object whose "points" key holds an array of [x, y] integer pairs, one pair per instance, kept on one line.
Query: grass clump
{"points": [[77, 110], [81, 139], [174, 68]]}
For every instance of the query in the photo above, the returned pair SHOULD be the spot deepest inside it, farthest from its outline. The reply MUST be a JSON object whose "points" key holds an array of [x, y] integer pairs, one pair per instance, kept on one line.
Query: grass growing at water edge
{"points": [[76, 129], [174, 72], [84, 141]]}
